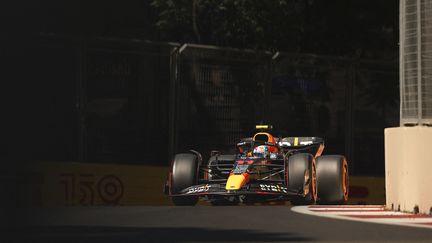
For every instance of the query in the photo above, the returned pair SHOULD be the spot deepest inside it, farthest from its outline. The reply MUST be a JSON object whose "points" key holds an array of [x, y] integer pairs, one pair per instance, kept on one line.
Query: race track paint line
{"points": [[367, 213], [390, 216], [347, 206], [347, 211], [372, 213], [426, 223]]}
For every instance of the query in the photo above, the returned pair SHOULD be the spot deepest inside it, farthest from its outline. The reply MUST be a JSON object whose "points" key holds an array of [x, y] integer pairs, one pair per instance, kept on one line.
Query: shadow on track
{"points": [[157, 234]]}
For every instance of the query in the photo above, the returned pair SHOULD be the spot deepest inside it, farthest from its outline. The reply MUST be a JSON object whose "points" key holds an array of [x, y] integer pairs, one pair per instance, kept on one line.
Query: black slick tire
{"points": [[301, 177], [183, 175], [332, 179]]}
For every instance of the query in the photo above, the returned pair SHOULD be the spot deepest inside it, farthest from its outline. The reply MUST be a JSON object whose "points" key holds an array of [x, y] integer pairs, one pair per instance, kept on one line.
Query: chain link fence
{"points": [[132, 101], [416, 62], [348, 102], [219, 94], [96, 99], [125, 98]]}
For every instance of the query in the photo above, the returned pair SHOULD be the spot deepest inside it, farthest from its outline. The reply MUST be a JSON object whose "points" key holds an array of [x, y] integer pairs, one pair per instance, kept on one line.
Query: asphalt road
{"points": [[199, 224]]}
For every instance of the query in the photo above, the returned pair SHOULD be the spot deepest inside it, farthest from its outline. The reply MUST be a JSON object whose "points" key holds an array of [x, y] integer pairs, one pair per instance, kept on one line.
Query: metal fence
{"points": [[96, 99], [218, 95], [132, 101], [416, 62], [124, 98], [348, 102]]}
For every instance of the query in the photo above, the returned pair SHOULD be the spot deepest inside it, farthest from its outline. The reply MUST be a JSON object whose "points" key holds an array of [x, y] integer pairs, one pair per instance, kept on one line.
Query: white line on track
{"points": [[367, 213]]}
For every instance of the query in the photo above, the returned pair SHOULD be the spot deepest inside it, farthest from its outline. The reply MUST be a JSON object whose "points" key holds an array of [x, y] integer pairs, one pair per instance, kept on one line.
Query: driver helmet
{"points": [[261, 151]]}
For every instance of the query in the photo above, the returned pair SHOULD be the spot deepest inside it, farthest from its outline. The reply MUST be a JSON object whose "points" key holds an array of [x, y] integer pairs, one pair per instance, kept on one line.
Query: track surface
{"points": [[201, 224]]}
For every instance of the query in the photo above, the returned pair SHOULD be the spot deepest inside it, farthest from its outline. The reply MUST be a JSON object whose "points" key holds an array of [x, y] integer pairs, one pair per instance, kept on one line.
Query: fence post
{"points": [[349, 117], [419, 63], [81, 100], [172, 116]]}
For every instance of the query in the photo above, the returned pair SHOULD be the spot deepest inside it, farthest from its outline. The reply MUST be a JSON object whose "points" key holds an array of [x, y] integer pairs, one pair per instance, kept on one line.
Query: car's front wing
{"points": [[259, 188]]}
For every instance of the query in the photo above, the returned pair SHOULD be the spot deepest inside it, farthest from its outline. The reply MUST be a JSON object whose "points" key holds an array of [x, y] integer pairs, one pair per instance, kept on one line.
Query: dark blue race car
{"points": [[265, 168]]}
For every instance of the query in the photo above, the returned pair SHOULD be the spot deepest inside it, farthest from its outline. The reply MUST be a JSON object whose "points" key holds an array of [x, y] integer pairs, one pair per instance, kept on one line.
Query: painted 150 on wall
{"points": [[88, 189]]}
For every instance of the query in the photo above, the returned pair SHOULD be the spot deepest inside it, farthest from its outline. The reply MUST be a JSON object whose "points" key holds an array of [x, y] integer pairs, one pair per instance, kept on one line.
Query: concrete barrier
{"points": [[408, 165]]}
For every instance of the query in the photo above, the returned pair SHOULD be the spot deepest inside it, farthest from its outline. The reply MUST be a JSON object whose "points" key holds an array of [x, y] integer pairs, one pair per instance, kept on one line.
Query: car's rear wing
{"points": [[314, 145]]}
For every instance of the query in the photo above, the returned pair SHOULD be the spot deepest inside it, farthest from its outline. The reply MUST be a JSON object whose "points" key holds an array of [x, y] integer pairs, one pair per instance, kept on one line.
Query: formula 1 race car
{"points": [[264, 168]]}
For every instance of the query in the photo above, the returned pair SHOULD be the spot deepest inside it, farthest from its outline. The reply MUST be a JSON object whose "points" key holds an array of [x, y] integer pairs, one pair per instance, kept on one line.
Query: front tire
{"points": [[183, 175], [333, 180], [301, 176]]}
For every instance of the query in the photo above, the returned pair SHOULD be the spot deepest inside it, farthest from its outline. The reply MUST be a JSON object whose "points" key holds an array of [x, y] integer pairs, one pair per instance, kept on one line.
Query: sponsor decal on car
{"points": [[306, 143], [273, 188], [284, 144], [198, 189]]}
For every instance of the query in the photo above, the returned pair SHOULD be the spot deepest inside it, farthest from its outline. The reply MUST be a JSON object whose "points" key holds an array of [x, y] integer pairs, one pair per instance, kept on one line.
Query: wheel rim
{"points": [[345, 180], [307, 183], [314, 182]]}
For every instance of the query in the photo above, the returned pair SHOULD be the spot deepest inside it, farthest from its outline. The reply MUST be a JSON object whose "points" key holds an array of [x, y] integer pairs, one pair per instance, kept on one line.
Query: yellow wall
{"points": [[86, 184], [63, 184]]}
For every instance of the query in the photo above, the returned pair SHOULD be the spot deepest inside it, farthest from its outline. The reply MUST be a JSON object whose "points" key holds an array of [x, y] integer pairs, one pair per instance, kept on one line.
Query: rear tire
{"points": [[184, 174], [302, 167], [332, 179]]}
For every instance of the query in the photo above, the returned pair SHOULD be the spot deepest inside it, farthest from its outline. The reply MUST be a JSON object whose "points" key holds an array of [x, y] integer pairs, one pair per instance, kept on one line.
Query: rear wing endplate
{"points": [[295, 142]]}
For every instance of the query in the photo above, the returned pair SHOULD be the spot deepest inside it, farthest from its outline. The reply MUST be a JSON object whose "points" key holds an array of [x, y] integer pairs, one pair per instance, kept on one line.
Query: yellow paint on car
{"points": [[296, 140], [262, 127], [235, 182]]}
